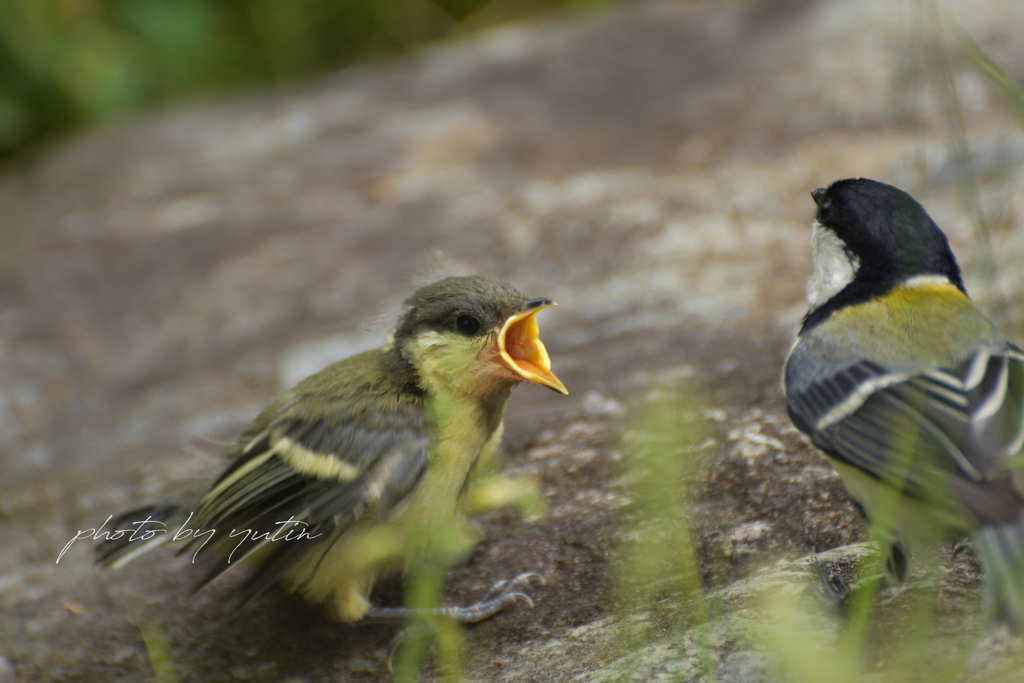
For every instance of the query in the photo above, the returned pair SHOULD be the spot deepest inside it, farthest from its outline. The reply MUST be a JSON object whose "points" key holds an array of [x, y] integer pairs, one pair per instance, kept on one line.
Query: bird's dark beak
{"points": [[521, 349], [819, 197]]}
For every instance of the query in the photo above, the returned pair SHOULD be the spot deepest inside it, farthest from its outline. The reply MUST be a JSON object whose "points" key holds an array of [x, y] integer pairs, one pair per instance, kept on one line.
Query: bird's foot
{"points": [[407, 634], [501, 595]]}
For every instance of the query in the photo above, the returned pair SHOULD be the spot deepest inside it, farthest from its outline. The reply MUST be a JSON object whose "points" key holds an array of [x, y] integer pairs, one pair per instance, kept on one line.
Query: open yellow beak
{"points": [[521, 349]]}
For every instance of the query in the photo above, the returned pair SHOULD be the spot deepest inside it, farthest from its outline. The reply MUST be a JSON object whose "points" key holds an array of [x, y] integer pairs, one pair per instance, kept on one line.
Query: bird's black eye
{"points": [[467, 325]]}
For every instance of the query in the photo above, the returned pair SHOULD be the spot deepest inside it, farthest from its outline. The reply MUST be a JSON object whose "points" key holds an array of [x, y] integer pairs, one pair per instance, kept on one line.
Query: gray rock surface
{"points": [[646, 165]]}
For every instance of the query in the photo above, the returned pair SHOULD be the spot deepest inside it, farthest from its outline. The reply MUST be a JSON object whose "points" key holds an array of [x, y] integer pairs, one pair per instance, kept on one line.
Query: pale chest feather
{"points": [[462, 433]]}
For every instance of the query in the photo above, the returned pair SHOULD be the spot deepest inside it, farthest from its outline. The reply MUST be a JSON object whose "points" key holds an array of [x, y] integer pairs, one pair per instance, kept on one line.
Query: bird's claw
{"points": [[512, 597], [494, 590], [393, 646], [503, 594], [505, 585]]}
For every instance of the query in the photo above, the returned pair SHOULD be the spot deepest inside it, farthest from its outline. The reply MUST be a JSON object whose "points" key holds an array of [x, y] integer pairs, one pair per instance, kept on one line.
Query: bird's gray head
{"points": [[471, 334], [468, 306]]}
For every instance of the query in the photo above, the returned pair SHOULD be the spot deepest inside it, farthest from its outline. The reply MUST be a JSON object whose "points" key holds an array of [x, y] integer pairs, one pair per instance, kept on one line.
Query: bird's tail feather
{"points": [[137, 531]]}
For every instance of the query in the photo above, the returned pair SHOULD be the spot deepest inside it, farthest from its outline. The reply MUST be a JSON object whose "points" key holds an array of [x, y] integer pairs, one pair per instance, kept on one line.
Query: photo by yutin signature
{"points": [[290, 529]]}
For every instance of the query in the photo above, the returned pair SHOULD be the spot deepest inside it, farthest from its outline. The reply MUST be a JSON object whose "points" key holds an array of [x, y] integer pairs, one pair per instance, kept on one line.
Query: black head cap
{"points": [[470, 306], [891, 234]]}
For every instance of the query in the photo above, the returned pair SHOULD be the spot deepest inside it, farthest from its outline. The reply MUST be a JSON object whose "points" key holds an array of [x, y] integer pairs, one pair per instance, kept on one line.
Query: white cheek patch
{"points": [[423, 349], [425, 340], [834, 266], [448, 360]]}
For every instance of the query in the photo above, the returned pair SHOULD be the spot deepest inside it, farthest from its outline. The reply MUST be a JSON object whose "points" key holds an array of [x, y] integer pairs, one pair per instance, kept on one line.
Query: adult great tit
{"points": [[910, 391], [364, 462]]}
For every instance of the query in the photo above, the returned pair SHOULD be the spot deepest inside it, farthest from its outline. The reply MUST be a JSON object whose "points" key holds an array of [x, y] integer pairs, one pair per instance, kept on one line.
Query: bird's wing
{"points": [[322, 473], [941, 435]]}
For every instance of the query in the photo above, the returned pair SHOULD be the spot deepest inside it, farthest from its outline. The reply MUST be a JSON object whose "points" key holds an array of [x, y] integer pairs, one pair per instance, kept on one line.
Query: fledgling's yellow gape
{"points": [[912, 394], [358, 471]]}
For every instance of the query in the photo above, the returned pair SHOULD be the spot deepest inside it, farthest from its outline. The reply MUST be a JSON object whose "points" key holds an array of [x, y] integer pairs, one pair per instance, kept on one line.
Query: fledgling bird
{"points": [[910, 391], [369, 457]]}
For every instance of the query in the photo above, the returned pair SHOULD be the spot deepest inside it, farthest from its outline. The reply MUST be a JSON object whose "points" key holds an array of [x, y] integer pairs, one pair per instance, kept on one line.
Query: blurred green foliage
{"points": [[665, 444], [1008, 89], [158, 648], [64, 63]]}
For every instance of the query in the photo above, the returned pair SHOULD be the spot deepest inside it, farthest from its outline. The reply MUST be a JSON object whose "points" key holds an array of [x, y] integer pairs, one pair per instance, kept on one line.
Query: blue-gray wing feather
{"points": [[942, 435]]}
